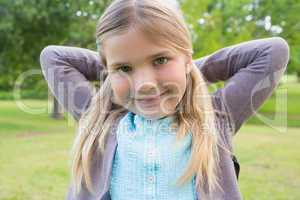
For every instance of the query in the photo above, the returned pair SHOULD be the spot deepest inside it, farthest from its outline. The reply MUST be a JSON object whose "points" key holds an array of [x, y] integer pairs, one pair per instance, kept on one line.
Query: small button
{"points": [[151, 140], [151, 179], [151, 152]]}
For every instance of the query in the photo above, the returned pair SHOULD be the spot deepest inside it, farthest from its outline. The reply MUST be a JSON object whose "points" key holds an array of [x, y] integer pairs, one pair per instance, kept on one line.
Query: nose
{"points": [[145, 81]]}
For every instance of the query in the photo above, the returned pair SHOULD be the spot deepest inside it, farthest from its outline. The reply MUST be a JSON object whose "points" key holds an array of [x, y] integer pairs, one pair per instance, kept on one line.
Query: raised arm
{"points": [[252, 70], [68, 72], [249, 66]]}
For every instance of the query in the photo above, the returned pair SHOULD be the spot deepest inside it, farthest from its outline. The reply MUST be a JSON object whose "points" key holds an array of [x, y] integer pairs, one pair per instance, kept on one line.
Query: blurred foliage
{"points": [[218, 23], [26, 27]]}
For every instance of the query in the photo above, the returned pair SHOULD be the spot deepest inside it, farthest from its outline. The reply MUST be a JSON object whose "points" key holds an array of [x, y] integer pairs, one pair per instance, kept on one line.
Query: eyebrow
{"points": [[162, 53]]}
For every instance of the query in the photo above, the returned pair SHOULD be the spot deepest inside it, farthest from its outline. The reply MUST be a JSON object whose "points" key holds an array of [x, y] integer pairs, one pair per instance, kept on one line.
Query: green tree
{"points": [[26, 27], [218, 23]]}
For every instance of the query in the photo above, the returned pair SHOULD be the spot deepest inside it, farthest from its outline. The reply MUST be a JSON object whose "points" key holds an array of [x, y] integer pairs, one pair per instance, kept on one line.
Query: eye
{"points": [[124, 68], [161, 61]]}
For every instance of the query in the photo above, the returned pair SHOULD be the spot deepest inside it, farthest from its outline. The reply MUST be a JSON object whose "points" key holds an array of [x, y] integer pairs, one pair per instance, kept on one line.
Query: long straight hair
{"points": [[164, 24]]}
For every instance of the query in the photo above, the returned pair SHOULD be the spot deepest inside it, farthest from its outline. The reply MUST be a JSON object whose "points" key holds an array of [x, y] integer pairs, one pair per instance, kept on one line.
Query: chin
{"points": [[153, 116], [152, 112]]}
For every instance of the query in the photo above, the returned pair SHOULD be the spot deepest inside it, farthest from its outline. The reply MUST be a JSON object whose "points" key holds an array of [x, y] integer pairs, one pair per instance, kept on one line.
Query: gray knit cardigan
{"points": [[251, 70]]}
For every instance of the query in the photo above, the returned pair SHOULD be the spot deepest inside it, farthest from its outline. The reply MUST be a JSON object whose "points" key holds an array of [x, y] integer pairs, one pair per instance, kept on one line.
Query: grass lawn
{"points": [[34, 157], [270, 162], [34, 153]]}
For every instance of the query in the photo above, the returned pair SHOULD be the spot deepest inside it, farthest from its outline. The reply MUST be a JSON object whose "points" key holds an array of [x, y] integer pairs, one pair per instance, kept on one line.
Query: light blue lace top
{"points": [[147, 162]]}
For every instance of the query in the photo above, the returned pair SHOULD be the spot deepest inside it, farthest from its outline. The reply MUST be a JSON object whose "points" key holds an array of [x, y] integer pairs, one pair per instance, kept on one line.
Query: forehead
{"points": [[132, 46]]}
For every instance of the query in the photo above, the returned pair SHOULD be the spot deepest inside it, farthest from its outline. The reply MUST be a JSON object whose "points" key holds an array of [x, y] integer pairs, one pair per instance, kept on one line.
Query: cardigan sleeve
{"points": [[69, 72], [251, 71]]}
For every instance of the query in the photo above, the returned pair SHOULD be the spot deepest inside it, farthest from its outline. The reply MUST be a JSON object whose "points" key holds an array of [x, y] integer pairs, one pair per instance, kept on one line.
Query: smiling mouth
{"points": [[151, 98]]}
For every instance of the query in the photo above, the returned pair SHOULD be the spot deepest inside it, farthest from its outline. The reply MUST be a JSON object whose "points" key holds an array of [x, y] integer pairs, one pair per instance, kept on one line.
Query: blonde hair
{"points": [[164, 24]]}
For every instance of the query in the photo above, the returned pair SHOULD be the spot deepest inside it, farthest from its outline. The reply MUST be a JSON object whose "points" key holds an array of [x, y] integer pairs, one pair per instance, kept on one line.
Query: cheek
{"points": [[175, 79], [120, 87]]}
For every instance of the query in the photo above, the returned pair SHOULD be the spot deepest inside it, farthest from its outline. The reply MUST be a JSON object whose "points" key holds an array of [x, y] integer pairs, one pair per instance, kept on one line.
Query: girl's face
{"points": [[147, 79]]}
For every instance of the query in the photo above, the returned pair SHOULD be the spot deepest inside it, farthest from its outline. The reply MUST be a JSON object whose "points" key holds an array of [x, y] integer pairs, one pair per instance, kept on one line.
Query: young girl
{"points": [[152, 130]]}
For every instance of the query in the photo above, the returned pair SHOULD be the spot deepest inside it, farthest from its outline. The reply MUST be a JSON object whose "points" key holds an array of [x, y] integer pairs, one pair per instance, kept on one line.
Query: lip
{"points": [[151, 98], [150, 102]]}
